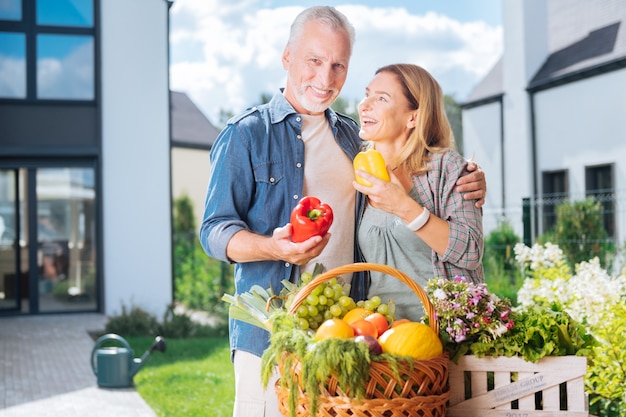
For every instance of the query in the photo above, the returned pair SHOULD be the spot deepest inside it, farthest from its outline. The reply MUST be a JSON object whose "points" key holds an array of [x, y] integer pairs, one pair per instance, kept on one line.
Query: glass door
{"points": [[66, 258], [48, 239], [12, 285]]}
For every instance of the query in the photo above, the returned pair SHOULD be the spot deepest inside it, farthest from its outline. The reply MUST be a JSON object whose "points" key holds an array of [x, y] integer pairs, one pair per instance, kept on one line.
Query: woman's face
{"points": [[384, 111]]}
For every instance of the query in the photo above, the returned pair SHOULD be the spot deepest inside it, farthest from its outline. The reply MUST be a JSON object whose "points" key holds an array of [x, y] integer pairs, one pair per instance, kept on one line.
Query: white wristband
{"points": [[419, 222]]}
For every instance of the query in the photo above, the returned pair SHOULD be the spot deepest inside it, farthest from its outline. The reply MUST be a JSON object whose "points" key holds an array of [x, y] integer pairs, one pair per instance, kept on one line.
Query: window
{"points": [[12, 65], [65, 67], [47, 50], [599, 184], [65, 12], [555, 192], [11, 10]]}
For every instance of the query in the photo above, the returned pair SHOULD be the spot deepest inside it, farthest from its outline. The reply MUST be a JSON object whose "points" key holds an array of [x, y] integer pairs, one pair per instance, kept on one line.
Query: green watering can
{"points": [[116, 366]]}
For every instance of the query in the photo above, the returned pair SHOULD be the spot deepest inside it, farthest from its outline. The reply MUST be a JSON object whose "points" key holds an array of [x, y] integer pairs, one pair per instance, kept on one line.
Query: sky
{"points": [[224, 54]]}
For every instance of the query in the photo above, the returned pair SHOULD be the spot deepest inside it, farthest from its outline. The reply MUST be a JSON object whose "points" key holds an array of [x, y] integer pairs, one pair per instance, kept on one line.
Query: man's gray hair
{"points": [[328, 15]]}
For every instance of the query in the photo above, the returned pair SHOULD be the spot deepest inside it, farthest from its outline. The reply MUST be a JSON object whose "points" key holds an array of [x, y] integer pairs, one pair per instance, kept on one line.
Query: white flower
{"points": [[499, 331], [439, 294], [586, 296]]}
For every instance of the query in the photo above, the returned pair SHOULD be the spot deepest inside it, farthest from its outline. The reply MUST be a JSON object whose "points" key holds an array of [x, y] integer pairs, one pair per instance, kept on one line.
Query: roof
{"points": [[190, 127], [488, 87], [585, 38], [599, 48]]}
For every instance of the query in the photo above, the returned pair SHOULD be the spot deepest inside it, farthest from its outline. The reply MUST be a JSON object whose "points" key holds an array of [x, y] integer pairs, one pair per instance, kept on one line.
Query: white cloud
{"points": [[12, 77], [226, 54], [70, 76]]}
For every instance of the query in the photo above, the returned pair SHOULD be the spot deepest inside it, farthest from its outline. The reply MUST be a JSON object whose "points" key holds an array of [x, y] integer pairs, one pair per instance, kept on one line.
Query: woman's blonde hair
{"points": [[432, 132]]}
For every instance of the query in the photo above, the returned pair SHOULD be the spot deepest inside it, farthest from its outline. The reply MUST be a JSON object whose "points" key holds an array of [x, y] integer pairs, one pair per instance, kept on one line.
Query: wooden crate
{"points": [[545, 376]]}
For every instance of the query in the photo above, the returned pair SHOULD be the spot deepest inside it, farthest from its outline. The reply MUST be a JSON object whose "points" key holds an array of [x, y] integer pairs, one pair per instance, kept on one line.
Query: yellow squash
{"points": [[413, 339]]}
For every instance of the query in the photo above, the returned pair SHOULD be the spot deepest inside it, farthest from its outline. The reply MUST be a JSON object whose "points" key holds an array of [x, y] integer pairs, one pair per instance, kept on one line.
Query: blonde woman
{"points": [[417, 222]]}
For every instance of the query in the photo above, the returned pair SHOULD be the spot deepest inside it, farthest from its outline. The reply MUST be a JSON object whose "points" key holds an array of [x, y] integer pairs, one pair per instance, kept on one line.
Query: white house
{"points": [[85, 156], [192, 137], [548, 122]]}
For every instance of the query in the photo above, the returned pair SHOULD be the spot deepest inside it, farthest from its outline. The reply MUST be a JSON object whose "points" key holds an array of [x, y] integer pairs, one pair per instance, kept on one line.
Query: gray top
{"points": [[385, 239]]}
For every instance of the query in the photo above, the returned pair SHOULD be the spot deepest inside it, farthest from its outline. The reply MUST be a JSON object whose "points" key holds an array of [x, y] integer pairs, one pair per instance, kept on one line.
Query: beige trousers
{"points": [[251, 399]]}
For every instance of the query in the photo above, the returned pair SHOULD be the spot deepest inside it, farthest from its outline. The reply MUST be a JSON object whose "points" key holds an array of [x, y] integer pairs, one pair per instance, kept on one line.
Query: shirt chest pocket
{"points": [[270, 173]]}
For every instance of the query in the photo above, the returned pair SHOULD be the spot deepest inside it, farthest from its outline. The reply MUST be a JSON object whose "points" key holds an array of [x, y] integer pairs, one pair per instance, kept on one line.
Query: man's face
{"points": [[317, 66]]}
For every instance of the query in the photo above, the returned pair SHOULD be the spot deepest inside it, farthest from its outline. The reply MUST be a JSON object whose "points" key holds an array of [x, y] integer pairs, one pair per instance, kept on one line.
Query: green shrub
{"points": [[177, 326], [199, 281], [503, 283], [579, 231], [502, 273], [133, 322], [499, 244], [180, 325], [138, 323]]}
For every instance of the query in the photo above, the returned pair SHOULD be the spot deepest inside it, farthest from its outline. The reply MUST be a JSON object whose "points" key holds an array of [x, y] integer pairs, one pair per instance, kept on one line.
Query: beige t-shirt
{"points": [[333, 174]]}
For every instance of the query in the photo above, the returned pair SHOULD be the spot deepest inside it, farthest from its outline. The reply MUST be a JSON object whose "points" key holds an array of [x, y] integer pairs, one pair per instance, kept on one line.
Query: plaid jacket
{"points": [[437, 193]]}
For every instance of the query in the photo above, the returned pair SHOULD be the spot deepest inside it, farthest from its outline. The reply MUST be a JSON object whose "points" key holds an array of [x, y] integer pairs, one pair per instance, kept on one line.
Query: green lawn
{"points": [[193, 378]]}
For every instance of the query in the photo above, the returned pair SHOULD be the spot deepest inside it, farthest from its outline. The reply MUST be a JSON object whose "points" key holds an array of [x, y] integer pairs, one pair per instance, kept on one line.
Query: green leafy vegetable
{"points": [[253, 307], [538, 332]]}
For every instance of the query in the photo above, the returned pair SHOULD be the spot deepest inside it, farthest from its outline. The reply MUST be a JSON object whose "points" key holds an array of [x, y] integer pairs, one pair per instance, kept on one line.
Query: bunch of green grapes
{"points": [[327, 300], [375, 305], [330, 299]]}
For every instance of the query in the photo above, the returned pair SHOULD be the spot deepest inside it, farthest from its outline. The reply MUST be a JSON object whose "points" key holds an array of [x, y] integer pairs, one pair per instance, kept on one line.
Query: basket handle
{"points": [[365, 266]]}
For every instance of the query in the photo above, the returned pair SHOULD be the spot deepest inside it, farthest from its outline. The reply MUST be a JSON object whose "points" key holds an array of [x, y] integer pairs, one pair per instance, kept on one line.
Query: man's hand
{"points": [[246, 246], [473, 185], [296, 253]]}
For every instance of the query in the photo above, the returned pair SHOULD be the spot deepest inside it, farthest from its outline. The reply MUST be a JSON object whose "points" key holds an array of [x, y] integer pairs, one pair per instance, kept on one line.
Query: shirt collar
{"points": [[280, 108]]}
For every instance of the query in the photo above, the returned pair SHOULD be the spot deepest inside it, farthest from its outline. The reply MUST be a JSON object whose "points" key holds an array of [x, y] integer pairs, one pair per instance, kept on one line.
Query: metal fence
{"points": [[536, 215]]}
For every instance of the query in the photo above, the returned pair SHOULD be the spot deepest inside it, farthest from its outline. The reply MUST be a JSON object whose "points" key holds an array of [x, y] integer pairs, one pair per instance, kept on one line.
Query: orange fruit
{"points": [[357, 313], [335, 327], [363, 327], [399, 322], [380, 321], [416, 340]]}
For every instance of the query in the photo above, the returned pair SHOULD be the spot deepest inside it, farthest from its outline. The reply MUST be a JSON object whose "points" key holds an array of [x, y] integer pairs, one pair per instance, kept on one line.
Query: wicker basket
{"points": [[415, 388]]}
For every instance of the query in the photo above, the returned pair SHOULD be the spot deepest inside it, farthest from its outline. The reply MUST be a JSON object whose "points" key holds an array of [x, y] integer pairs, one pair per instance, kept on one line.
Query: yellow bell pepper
{"points": [[372, 162]]}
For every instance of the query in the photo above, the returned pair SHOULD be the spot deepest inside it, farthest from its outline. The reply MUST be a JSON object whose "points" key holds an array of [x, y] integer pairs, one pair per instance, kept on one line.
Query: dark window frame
{"points": [[555, 188], [600, 184]]}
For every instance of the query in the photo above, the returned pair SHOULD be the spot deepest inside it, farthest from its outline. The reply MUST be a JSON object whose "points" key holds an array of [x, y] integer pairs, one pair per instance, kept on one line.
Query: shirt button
{"points": [[272, 179], [298, 119], [295, 196], [287, 264], [299, 165]]}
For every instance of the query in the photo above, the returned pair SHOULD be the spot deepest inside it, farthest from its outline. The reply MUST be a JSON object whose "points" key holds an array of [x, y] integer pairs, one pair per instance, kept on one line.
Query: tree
{"points": [[225, 115], [453, 111], [342, 106], [183, 215]]}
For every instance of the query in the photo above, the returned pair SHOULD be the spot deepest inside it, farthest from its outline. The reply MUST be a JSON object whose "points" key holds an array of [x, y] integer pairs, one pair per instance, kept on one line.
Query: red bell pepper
{"points": [[310, 217]]}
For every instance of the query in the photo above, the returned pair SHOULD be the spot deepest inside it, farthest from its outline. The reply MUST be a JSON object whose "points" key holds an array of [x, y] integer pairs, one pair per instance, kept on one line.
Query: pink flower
{"points": [[466, 310]]}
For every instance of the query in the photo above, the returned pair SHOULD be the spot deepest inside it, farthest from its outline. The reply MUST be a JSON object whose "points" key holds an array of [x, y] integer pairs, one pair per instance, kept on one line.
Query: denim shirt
{"points": [[257, 175]]}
